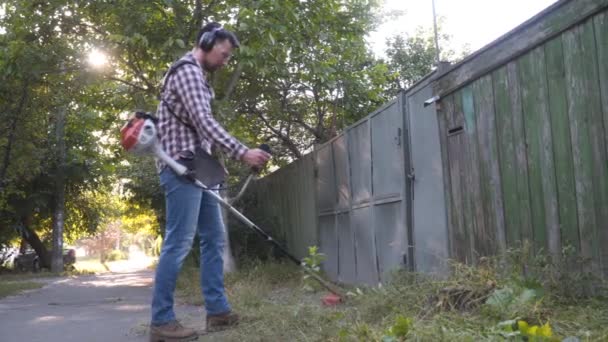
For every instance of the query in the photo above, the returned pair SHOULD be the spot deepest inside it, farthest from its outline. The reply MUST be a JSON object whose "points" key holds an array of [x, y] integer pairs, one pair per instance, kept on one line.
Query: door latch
{"points": [[398, 137], [411, 176]]}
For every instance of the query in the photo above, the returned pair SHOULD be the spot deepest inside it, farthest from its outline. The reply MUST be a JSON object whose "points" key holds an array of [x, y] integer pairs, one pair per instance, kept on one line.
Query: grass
{"points": [[90, 265], [276, 307], [9, 288]]}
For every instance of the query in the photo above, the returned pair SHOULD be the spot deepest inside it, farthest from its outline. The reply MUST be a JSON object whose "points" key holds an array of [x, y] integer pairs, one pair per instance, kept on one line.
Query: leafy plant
{"points": [[399, 330], [521, 329], [513, 301], [312, 262]]}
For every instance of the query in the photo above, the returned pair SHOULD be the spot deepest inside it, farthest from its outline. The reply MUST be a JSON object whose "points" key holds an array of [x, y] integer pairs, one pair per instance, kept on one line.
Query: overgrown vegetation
{"points": [[487, 302]]}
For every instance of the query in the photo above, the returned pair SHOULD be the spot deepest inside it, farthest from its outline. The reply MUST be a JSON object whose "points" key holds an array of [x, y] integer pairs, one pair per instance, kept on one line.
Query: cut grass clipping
{"points": [[475, 304]]}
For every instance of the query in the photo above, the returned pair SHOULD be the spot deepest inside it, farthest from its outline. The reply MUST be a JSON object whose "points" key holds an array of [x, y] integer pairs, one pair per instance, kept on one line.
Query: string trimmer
{"points": [[139, 135]]}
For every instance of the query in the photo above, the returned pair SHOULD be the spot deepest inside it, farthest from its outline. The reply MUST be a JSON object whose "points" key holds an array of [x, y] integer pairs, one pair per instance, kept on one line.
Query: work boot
{"points": [[171, 332], [221, 321]]}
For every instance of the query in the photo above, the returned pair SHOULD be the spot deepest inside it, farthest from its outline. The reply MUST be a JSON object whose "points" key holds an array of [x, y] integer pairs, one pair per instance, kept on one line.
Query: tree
{"points": [[46, 159], [302, 73], [411, 57]]}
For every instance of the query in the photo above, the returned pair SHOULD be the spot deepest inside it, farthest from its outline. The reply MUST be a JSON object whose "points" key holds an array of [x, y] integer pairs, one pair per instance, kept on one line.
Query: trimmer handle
{"points": [[265, 148]]}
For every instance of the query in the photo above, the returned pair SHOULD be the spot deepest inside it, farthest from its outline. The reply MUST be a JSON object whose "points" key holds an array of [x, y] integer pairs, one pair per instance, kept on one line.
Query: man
{"points": [[185, 124]]}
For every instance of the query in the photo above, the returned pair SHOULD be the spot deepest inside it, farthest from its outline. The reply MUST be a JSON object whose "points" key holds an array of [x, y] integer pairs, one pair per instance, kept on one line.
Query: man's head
{"points": [[216, 45]]}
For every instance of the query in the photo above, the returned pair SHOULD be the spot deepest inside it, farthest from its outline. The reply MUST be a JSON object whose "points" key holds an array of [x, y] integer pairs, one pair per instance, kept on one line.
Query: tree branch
{"points": [[128, 83], [286, 141], [234, 78]]}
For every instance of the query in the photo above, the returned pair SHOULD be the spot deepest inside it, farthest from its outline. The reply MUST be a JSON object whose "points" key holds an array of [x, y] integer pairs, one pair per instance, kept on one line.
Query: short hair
{"points": [[211, 33]]}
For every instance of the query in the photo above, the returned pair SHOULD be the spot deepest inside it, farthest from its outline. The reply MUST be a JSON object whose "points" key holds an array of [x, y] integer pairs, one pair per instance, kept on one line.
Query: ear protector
{"points": [[208, 39]]}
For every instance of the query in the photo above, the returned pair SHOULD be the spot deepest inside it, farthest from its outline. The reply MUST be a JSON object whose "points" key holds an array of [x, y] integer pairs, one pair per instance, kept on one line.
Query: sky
{"points": [[470, 22]]}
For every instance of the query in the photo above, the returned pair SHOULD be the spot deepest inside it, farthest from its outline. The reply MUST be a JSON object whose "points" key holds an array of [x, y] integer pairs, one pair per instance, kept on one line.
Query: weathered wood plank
{"points": [[562, 143], [458, 234], [489, 159], [547, 160], [542, 27], [521, 156], [601, 42], [540, 155], [596, 135], [442, 124], [473, 188], [485, 237], [506, 152], [465, 180], [578, 112]]}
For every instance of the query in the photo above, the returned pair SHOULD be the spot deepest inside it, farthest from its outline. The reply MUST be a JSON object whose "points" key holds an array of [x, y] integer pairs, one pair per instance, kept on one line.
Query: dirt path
{"points": [[108, 307]]}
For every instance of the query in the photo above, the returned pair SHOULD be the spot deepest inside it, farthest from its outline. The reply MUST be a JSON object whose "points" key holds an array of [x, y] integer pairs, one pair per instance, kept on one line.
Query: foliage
{"points": [[410, 57], [313, 263], [115, 255], [399, 330], [45, 86]]}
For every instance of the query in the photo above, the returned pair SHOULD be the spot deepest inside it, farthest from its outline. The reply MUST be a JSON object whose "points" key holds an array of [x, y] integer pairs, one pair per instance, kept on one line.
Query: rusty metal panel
{"points": [[346, 250], [365, 246], [326, 183], [342, 171], [387, 153], [360, 157], [391, 237]]}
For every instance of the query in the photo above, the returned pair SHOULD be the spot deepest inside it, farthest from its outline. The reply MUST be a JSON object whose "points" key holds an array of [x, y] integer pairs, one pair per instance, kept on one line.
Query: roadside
{"points": [[112, 306]]}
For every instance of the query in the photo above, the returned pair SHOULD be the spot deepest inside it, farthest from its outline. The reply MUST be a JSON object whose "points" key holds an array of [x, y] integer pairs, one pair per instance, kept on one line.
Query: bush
{"points": [[116, 255]]}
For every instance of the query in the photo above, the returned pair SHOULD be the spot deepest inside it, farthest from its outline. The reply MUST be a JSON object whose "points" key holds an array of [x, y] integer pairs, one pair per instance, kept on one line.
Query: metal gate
{"points": [[361, 198], [430, 236]]}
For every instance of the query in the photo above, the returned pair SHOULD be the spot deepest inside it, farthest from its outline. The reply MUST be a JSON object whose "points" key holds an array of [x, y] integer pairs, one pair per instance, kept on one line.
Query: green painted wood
{"points": [[547, 162], [472, 174], [464, 176], [582, 150], [459, 246], [562, 143], [506, 152], [601, 43], [485, 239], [529, 93], [538, 137], [521, 157], [596, 135], [494, 229]]}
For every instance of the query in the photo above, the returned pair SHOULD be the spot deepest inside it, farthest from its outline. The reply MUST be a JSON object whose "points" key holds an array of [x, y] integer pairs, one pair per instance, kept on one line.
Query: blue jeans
{"points": [[189, 210]]}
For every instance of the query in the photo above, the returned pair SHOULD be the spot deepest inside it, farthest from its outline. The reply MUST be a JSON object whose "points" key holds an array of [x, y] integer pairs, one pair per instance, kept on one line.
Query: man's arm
{"points": [[188, 82]]}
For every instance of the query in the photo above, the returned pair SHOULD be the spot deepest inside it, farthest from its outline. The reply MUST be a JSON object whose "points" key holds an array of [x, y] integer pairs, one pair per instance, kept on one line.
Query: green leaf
{"points": [[401, 327]]}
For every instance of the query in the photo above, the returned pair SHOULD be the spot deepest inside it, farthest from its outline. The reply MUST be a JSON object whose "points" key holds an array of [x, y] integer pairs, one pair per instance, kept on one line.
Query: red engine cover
{"points": [[129, 133]]}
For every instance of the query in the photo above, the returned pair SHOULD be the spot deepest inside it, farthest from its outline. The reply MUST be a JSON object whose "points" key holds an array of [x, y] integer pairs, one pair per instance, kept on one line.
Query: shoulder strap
{"points": [[170, 72]]}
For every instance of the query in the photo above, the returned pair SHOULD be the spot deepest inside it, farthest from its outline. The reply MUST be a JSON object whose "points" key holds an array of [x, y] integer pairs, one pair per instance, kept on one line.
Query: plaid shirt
{"points": [[189, 95]]}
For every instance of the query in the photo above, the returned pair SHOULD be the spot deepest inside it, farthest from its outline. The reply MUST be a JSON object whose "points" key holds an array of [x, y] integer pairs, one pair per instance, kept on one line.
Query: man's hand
{"points": [[255, 157]]}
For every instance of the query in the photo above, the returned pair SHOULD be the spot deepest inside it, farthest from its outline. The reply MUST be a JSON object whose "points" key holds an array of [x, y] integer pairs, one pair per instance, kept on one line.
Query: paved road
{"points": [[109, 307]]}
